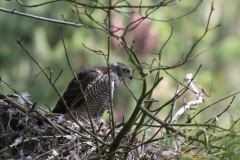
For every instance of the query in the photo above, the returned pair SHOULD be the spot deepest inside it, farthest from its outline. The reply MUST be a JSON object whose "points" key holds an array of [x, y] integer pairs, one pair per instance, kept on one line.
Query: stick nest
{"points": [[39, 134]]}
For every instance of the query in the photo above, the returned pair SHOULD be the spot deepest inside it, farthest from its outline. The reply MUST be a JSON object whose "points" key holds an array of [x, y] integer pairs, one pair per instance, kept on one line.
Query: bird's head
{"points": [[122, 70]]}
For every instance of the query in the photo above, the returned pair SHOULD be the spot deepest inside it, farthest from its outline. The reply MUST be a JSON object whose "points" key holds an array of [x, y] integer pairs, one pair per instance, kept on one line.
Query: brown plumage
{"points": [[95, 84]]}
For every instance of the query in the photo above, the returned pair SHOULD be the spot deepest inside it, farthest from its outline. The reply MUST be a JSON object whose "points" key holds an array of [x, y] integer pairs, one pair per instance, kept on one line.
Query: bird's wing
{"points": [[73, 91]]}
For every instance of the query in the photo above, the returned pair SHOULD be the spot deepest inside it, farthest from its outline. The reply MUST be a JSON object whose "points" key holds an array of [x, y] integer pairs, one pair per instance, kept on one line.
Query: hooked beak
{"points": [[130, 77]]}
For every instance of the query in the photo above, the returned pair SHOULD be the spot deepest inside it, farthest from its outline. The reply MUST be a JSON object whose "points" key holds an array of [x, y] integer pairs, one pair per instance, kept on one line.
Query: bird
{"points": [[95, 86]]}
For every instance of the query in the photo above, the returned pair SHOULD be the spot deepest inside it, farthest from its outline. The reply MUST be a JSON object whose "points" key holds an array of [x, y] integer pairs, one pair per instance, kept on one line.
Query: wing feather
{"points": [[73, 91]]}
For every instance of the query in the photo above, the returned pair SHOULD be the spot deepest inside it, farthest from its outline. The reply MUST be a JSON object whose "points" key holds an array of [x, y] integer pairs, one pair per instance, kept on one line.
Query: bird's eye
{"points": [[126, 71]]}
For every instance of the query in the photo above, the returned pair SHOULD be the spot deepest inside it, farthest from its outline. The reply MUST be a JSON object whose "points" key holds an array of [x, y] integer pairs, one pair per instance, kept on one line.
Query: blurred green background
{"points": [[219, 73]]}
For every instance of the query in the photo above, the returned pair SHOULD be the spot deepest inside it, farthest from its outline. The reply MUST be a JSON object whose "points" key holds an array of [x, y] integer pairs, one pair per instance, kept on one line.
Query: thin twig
{"points": [[84, 96], [76, 24], [58, 76], [214, 104]]}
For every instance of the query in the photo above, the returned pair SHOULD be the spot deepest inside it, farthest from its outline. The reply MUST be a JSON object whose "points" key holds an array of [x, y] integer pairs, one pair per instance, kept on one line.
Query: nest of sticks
{"points": [[31, 132]]}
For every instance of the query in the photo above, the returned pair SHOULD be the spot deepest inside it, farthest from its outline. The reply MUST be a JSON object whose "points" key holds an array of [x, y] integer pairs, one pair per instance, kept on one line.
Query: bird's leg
{"points": [[98, 116]]}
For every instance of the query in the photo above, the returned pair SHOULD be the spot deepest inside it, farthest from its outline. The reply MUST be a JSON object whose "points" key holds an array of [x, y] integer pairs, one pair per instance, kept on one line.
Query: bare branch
{"points": [[40, 18]]}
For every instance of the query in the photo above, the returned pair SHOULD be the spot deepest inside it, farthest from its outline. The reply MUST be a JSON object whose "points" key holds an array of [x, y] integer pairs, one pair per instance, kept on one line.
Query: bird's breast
{"points": [[97, 91]]}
